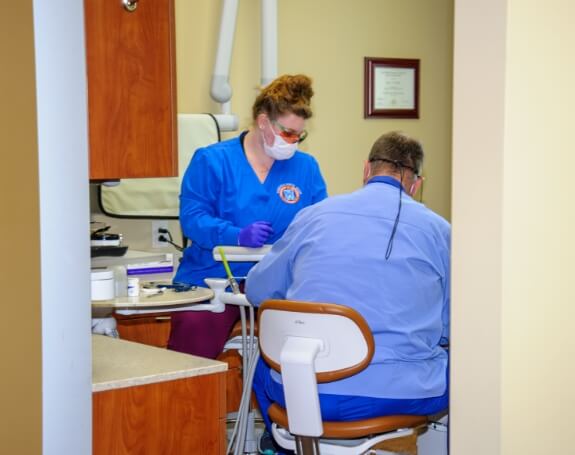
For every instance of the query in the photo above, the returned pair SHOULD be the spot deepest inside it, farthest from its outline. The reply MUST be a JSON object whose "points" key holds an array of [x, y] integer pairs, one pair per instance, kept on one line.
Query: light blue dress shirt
{"points": [[334, 252]]}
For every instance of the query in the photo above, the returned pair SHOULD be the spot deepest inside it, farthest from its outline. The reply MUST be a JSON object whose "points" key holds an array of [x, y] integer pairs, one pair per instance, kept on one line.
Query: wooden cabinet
{"points": [[181, 417], [234, 380], [152, 329], [131, 89]]}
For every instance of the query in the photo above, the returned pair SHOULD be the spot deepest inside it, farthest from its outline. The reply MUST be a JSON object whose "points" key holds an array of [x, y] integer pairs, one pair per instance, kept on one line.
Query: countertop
{"points": [[119, 363], [168, 298], [131, 257]]}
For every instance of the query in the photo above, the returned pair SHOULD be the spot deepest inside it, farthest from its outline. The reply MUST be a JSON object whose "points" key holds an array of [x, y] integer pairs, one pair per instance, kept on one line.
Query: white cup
{"points": [[102, 287]]}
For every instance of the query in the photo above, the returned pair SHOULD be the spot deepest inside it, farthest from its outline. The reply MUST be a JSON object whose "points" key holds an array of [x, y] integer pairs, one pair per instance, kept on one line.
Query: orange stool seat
{"points": [[355, 428]]}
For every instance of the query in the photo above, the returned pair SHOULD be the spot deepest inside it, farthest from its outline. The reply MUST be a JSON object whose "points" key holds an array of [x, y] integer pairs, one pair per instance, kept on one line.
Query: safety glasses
{"points": [[288, 134], [398, 165]]}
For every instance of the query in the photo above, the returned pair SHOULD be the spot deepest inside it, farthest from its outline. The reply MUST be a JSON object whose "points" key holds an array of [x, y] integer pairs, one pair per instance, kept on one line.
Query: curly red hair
{"points": [[286, 94]]}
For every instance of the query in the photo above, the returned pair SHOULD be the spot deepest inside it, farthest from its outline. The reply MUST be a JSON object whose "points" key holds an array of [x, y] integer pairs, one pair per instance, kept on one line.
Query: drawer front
{"points": [[151, 329]]}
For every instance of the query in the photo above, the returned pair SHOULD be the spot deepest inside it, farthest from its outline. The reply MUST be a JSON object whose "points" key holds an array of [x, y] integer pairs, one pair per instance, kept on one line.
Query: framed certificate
{"points": [[391, 88]]}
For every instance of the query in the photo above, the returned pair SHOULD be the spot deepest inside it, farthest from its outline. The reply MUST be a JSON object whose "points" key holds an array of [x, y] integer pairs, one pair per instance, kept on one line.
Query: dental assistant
{"points": [[243, 191]]}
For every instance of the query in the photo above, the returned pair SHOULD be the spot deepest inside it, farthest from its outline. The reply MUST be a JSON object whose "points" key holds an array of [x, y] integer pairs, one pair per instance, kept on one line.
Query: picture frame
{"points": [[391, 88]]}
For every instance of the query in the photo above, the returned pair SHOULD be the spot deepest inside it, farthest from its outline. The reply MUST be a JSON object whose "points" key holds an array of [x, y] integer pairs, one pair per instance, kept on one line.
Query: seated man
{"points": [[384, 254]]}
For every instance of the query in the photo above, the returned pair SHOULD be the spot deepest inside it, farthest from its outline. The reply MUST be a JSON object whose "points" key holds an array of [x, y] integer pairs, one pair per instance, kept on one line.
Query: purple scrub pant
{"points": [[202, 333]]}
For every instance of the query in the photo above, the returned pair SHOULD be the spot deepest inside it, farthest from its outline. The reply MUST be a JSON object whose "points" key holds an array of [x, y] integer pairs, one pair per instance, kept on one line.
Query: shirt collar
{"points": [[385, 179]]}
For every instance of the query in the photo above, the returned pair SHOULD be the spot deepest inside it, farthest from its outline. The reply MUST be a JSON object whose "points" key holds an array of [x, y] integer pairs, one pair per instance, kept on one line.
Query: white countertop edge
{"points": [[168, 299], [159, 377]]}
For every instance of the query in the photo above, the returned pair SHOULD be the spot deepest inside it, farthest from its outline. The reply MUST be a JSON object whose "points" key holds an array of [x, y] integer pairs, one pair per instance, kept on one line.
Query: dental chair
{"points": [[311, 343]]}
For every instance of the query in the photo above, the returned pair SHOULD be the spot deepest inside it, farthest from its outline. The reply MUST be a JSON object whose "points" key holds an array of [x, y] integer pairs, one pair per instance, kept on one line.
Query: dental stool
{"points": [[311, 343]]}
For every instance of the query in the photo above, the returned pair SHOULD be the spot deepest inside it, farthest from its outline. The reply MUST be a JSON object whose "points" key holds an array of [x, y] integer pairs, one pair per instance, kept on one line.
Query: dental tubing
{"points": [[239, 441]]}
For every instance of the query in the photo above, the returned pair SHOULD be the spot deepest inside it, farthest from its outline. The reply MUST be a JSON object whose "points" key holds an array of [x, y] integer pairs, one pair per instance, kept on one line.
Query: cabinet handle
{"points": [[130, 5], [162, 318]]}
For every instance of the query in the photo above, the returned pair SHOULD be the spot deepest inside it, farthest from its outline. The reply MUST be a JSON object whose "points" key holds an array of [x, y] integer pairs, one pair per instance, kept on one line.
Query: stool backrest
{"points": [[309, 343]]}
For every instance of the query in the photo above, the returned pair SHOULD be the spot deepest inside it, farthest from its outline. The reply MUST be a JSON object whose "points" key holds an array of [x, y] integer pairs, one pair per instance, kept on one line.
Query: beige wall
{"points": [[513, 224], [327, 40], [478, 132], [20, 337], [538, 375]]}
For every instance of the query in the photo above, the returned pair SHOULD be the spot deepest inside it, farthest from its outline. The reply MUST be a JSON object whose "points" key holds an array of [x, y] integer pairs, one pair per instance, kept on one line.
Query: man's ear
{"points": [[415, 186], [366, 171]]}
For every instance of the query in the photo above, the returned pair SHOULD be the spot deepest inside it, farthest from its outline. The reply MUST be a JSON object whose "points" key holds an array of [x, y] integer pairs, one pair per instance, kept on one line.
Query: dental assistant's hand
{"points": [[255, 235]]}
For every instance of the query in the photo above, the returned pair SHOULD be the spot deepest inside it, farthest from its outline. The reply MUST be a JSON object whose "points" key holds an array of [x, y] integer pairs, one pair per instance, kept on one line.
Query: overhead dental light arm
{"points": [[220, 90], [269, 15]]}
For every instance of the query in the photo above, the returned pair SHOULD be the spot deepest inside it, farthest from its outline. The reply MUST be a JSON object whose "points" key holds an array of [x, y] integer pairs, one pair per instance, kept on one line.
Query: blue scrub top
{"points": [[221, 194]]}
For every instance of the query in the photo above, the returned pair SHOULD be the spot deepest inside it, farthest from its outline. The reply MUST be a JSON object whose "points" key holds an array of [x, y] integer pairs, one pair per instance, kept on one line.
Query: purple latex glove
{"points": [[254, 235]]}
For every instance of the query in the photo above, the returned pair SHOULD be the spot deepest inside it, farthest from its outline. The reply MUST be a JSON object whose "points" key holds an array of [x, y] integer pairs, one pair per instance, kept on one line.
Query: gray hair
{"points": [[396, 150]]}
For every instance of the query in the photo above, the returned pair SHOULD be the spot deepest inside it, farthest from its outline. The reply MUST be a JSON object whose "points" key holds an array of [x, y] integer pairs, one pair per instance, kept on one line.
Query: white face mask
{"points": [[280, 150]]}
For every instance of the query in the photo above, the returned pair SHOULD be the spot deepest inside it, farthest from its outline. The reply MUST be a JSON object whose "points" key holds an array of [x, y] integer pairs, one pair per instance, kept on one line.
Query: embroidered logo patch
{"points": [[289, 193]]}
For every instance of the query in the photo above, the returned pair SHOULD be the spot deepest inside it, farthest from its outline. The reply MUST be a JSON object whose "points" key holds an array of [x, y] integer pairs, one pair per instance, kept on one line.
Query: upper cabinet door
{"points": [[131, 89]]}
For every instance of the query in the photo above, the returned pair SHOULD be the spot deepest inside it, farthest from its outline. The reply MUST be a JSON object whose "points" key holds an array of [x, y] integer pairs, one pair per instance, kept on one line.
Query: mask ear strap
{"points": [[396, 222]]}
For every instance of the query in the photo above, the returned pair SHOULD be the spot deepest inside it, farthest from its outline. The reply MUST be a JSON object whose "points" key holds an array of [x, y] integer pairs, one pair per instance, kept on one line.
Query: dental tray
{"points": [[108, 250]]}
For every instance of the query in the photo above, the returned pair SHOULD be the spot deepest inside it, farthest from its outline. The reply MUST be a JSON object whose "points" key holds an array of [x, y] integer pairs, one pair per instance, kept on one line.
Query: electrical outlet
{"points": [[156, 226]]}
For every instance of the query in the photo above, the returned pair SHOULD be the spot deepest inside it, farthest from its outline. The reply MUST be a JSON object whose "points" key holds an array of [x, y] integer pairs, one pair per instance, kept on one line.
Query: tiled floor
{"points": [[258, 424]]}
